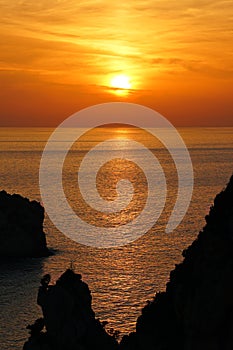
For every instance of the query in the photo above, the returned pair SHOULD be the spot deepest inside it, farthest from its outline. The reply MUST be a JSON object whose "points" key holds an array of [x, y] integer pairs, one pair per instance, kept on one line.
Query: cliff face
{"points": [[196, 310], [194, 313], [21, 227], [68, 318]]}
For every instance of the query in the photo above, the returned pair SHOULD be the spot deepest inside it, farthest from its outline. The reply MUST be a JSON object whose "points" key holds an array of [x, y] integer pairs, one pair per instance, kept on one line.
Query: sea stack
{"points": [[21, 227], [196, 310]]}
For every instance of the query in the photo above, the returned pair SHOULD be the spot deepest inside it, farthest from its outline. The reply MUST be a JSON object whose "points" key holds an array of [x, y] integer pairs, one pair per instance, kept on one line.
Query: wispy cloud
{"points": [[93, 38]]}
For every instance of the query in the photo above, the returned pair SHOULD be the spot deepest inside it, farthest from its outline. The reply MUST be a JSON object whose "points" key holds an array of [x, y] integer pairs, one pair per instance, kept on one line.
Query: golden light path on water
{"points": [[123, 278]]}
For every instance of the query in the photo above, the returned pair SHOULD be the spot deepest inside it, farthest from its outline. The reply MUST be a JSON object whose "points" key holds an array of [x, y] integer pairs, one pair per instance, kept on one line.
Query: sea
{"points": [[124, 276]]}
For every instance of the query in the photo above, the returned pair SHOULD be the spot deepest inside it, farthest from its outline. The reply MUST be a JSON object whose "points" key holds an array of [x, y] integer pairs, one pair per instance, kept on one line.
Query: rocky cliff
{"points": [[194, 313], [196, 310], [68, 321], [21, 227]]}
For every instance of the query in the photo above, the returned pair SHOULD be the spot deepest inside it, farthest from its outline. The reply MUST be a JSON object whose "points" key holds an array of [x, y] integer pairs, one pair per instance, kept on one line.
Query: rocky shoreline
{"points": [[194, 313], [196, 310], [68, 318], [21, 227]]}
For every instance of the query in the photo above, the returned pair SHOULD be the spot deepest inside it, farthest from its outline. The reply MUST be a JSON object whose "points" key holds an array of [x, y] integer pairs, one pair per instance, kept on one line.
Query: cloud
{"points": [[95, 37]]}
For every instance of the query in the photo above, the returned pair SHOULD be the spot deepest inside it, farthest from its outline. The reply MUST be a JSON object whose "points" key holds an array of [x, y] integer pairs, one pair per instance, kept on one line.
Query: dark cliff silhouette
{"points": [[21, 227], [196, 310], [194, 313], [68, 318]]}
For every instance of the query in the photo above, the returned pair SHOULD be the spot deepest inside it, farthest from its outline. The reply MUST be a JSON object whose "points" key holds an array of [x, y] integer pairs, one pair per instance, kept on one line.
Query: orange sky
{"points": [[58, 56]]}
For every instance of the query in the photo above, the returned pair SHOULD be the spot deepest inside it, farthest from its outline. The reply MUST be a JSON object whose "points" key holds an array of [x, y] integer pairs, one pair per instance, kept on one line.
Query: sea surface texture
{"points": [[121, 279]]}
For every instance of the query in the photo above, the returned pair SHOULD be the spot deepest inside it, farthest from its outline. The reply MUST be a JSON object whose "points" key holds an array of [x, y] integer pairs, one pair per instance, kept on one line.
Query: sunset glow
{"points": [[58, 57], [121, 82], [121, 85]]}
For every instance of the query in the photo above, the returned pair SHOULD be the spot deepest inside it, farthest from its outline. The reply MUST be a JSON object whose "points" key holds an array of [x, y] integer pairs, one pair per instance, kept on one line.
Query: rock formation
{"points": [[68, 318], [21, 227], [194, 313], [196, 310]]}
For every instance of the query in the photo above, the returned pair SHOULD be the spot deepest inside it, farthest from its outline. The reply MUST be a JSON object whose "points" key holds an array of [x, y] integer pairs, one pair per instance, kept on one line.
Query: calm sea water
{"points": [[124, 278]]}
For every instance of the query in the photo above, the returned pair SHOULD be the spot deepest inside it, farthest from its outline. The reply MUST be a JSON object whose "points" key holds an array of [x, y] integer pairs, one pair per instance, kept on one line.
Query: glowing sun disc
{"points": [[121, 82]]}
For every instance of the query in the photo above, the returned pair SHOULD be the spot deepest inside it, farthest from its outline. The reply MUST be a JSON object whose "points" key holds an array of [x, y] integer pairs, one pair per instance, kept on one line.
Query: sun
{"points": [[121, 82]]}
